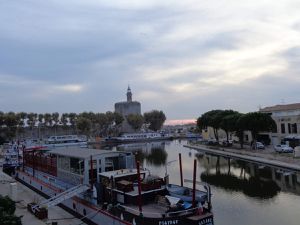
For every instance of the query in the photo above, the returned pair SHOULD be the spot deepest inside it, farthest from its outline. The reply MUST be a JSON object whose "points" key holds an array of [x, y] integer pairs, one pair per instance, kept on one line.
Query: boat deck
{"points": [[135, 191], [157, 210]]}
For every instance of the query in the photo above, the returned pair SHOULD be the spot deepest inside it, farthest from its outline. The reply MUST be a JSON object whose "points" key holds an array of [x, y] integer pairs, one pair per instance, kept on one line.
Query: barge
{"points": [[107, 187]]}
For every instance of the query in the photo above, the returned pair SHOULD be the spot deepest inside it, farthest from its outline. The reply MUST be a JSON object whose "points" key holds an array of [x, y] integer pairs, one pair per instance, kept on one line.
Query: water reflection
{"points": [[151, 153], [252, 179]]}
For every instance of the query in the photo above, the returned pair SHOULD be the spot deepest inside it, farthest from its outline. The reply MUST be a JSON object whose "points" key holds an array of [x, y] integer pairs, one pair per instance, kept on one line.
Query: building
{"points": [[126, 108], [287, 119]]}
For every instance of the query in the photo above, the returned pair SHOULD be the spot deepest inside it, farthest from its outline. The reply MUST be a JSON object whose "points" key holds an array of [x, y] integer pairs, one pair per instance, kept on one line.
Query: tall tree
{"points": [[212, 119], [10, 122], [241, 127], [84, 125], [135, 121], [258, 122], [228, 122], [154, 119], [55, 118]]}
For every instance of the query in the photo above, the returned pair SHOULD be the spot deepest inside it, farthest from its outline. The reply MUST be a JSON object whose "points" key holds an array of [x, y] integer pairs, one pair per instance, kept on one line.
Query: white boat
{"points": [[136, 137], [65, 141]]}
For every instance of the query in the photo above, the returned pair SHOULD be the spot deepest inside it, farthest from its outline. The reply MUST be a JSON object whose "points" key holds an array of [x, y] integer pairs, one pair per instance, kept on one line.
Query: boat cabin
{"points": [[74, 164]]}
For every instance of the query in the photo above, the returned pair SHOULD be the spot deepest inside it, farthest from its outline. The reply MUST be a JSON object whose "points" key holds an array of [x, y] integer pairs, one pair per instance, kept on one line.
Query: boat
{"points": [[106, 187], [185, 193], [12, 157], [139, 137], [66, 140]]}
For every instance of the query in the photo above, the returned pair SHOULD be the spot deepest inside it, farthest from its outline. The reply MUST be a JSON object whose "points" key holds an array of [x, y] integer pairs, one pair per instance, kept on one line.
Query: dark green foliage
{"points": [[135, 121], [155, 119], [258, 122], [7, 209], [233, 121], [84, 125]]}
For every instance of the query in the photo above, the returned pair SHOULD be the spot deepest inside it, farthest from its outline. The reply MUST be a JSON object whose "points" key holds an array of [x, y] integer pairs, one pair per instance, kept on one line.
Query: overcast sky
{"points": [[182, 57]]}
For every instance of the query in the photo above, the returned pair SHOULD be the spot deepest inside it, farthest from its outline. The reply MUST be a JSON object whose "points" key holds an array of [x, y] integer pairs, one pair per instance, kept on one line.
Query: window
{"points": [[289, 128], [282, 128], [294, 128], [76, 166]]}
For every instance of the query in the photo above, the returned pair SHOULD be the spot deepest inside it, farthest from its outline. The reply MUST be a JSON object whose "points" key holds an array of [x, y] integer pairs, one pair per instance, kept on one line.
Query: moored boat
{"points": [[107, 187], [186, 194], [139, 137]]}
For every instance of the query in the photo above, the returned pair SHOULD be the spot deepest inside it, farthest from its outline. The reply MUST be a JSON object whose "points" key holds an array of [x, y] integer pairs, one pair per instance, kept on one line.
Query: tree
{"points": [[55, 119], [228, 122], [7, 210], [84, 125], [135, 121], [241, 126], [72, 120], [155, 119], [257, 122], [10, 121], [212, 119]]}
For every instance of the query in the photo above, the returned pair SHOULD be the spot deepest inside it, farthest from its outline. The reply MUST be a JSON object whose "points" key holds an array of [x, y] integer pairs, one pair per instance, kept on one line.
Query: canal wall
{"points": [[249, 158]]}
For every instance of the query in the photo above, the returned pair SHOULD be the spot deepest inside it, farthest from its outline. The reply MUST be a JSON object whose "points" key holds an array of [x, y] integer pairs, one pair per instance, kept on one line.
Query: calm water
{"points": [[243, 193]]}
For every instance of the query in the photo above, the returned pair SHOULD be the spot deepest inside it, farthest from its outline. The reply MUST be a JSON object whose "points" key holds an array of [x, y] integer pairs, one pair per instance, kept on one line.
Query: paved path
{"points": [[259, 156], [26, 195]]}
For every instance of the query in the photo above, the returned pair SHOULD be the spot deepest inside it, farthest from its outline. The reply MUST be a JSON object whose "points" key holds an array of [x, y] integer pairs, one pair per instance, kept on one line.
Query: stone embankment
{"points": [[266, 157]]}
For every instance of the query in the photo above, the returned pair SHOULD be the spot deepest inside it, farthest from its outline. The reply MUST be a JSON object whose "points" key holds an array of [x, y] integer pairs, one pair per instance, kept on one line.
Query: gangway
{"points": [[69, 193]]}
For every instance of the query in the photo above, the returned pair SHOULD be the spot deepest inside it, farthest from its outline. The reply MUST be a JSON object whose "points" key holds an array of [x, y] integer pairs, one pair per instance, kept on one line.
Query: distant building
{"points": [[287, 119], [126, 108]]}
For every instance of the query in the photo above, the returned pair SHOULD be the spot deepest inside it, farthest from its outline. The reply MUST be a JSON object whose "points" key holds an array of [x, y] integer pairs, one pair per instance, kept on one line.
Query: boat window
{"points": [[75, 166]]}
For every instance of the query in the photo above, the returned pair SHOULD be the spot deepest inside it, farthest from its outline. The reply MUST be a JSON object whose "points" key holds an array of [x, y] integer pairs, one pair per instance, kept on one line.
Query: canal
{"points": [[243, 193]]}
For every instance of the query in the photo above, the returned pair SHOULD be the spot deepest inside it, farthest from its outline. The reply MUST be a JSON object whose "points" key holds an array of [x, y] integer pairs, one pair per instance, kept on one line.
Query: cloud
{"points": [[182, 57], [72, 88]]}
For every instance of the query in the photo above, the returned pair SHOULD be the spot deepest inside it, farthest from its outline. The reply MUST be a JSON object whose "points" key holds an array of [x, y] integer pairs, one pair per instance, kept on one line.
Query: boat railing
{"points": [[160, 215]]}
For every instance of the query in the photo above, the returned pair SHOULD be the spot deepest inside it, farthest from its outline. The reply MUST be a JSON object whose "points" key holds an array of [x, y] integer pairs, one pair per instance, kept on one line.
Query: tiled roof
{"points": [[287, 107]]}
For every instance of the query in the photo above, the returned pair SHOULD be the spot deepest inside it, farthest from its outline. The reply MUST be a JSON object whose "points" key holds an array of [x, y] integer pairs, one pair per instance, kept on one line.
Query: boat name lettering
{"points": [[207, 221], [169, 222]]}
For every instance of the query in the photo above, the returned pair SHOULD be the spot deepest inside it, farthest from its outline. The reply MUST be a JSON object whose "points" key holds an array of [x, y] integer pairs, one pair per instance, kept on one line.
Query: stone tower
{"points": [[126, 108], [129, 94]]}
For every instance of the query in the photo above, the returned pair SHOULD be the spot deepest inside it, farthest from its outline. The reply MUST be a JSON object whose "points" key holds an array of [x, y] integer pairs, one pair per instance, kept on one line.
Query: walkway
{"points": [[283, 160], [25, 196]]}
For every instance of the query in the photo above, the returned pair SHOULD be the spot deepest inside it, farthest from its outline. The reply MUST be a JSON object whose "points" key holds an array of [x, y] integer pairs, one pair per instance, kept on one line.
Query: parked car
{"points": [[283, 149], [225, 143], [212, 142], [260, 145]]}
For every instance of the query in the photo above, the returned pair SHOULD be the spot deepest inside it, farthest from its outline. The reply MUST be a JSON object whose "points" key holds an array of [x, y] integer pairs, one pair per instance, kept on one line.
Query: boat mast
{"points": [[180, 166], [139, 187], [194, 183]]}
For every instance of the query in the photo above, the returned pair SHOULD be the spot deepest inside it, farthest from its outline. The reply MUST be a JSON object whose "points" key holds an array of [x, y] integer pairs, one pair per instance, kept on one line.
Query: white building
{"points": [[287, 119]]}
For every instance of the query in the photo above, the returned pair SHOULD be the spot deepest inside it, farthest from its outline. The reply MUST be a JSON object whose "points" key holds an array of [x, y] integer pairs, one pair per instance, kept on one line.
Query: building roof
{"points": [[287, 107], [77, 152]]}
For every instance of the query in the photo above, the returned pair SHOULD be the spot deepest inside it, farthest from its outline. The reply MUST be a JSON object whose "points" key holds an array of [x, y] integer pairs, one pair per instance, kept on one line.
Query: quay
{"points": [[24, 195], [266, 158]]}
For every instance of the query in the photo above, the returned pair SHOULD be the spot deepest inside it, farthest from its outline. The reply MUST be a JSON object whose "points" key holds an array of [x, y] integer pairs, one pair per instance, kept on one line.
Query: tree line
{"points": [[236, 123], [89, 123]]}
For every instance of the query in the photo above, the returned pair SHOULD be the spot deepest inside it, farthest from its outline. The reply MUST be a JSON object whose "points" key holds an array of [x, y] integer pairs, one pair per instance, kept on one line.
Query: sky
{"points": [[181, 57]]}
